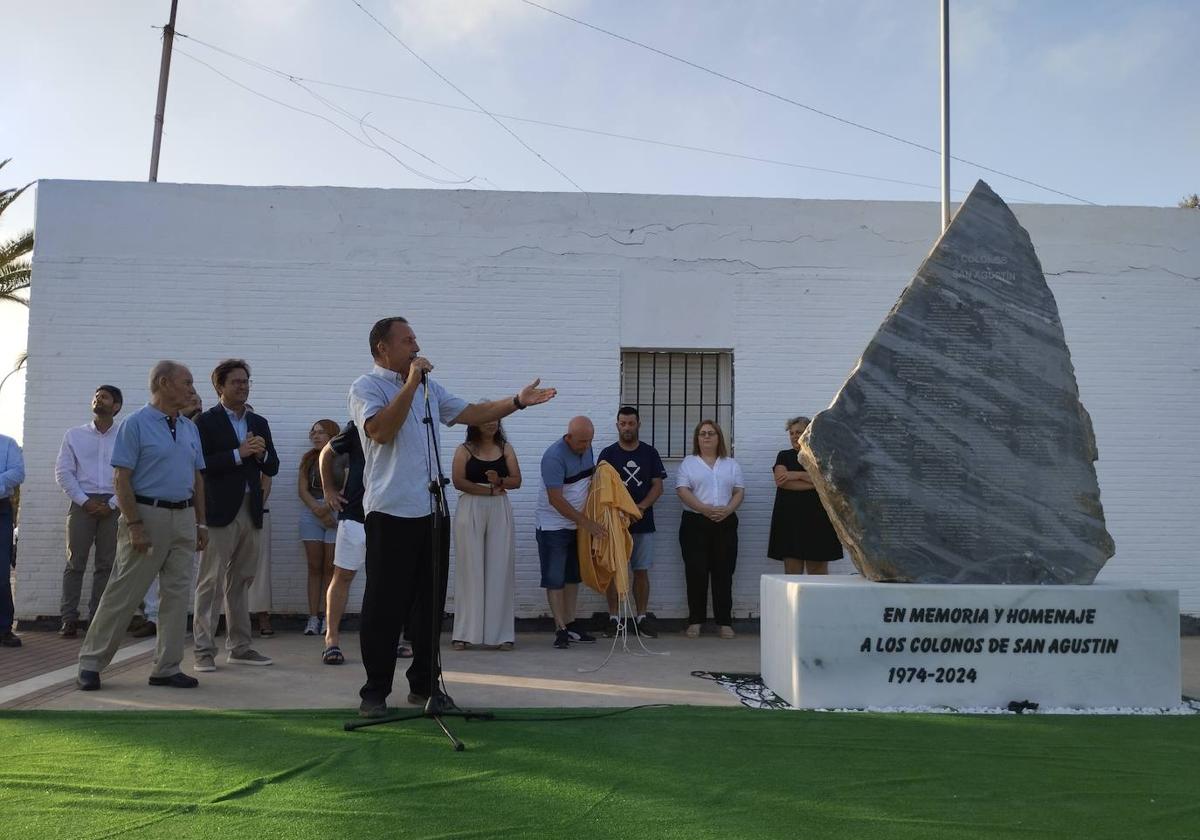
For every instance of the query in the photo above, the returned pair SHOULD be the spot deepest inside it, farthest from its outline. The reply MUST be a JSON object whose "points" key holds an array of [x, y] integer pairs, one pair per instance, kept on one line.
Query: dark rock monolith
{"points": [[958, 450]]}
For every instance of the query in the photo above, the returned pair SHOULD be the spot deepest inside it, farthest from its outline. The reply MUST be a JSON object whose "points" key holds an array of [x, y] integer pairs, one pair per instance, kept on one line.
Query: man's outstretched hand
{"points": [[531, 394]]}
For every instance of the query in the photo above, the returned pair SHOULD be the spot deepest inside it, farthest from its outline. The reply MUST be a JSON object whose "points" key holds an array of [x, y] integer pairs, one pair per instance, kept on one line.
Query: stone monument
{"points": [[958, 450], [956, 464]]}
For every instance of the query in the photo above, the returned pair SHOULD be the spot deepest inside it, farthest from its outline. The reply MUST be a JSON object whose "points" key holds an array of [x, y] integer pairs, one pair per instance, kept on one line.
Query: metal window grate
{"points": [[674, 390]]}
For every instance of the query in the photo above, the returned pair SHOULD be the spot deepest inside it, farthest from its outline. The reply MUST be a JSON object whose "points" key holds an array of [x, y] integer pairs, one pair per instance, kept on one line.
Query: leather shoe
{"points": [[180, 680], [88, 680], [69, 628], [9, 639], [372, 709]]}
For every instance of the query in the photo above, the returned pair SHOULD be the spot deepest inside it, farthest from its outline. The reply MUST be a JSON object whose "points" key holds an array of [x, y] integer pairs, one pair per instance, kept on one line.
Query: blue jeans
{"points": [[6, 552]]}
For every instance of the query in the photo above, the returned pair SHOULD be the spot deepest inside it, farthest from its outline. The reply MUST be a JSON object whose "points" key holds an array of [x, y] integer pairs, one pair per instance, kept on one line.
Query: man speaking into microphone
{"points": [[388, 406]]}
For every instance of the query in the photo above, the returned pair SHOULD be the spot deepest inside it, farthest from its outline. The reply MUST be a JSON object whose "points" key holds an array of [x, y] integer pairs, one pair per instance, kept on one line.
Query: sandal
{"points": [[457, 645], [403, 652], [333, 655], [692, 631]]}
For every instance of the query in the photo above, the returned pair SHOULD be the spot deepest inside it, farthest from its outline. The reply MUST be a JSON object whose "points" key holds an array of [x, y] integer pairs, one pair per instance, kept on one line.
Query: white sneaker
{"points": [[313, 626]]}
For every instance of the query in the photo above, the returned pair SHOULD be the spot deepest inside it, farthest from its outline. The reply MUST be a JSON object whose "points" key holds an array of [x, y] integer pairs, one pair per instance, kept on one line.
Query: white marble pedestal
{"points": [[844, 642]]}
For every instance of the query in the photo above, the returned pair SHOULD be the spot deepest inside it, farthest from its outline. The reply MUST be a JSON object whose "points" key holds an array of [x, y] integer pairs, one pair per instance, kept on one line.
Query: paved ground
{"points": [[532, 675], [41, 675]]}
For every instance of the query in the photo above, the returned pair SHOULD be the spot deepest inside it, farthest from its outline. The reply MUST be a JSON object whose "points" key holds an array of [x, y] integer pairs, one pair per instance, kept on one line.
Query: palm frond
{"points": [[16, 247]]}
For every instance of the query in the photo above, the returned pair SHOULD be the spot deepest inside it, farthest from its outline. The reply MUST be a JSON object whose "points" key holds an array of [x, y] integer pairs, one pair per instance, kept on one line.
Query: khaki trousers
{"points": [[84, 531], [260, 588], [172, 535], [231, 557]]}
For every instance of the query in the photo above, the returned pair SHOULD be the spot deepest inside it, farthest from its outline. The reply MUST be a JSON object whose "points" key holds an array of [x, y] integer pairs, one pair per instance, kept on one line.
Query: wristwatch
{"points": [[517, 402]]}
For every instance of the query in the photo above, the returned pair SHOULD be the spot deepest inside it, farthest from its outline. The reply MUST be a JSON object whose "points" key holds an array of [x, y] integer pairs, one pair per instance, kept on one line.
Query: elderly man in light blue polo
{"points": [[157, 463]]}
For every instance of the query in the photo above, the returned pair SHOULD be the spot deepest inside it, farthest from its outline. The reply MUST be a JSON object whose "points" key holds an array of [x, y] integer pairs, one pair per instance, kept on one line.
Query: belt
{"points": [[162, 503]]}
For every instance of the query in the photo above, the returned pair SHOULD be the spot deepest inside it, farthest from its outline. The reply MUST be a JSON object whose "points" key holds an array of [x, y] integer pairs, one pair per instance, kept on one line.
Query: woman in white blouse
{"points": [[711, 487]]}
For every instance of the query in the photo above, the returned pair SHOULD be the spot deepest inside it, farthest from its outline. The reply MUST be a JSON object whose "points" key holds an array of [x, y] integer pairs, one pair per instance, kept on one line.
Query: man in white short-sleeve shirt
{"points": [[388, 407]]}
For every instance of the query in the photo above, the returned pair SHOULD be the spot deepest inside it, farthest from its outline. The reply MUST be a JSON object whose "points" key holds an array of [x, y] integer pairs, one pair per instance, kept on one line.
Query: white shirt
{"points": [[84, 464], [710, 485], [397, 474]]}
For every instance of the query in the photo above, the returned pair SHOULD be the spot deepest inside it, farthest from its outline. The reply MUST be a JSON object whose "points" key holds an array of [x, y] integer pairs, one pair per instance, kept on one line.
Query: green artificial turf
{"points": [[651, 773]]}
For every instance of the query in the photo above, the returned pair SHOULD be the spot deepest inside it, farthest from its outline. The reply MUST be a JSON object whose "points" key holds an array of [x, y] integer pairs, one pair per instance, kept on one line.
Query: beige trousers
{"points": [[485, 553], [260, 588], [84, 531], [172, 535], [231, 558]]}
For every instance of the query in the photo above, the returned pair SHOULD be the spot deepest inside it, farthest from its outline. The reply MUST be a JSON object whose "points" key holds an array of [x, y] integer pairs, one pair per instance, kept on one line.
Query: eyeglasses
{"points": [[707, 433]]}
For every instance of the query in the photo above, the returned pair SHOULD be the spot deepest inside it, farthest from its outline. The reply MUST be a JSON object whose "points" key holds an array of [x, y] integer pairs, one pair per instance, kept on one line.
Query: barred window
{"points": [[674, 390]]}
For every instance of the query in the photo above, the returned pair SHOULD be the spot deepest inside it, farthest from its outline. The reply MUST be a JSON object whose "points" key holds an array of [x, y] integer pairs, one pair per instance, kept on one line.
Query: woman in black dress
{"points": [[801, 534]]}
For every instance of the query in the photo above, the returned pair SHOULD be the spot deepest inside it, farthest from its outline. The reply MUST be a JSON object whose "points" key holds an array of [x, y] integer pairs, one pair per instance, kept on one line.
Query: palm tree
{"points": [[22, 358], [15, 268]]}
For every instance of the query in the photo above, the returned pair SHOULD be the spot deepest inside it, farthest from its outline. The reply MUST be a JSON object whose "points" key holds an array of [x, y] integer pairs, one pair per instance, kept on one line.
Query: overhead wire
{"points": [[304, 81], [467, 96], [367, 142], [796, 103]]}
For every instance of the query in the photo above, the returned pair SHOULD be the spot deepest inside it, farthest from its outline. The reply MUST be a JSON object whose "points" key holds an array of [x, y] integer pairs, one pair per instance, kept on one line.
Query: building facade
{"points": [[747, 310]]}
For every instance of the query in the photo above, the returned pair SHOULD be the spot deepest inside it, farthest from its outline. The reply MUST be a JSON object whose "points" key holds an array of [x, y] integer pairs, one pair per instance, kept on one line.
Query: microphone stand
{"points": [[440, 704]]}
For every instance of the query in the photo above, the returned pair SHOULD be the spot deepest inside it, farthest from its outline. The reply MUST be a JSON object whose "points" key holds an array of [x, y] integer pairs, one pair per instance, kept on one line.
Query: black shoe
{"points": [[88, 681], [7, 639], [145, 631], [69, 628], [646, 628], [416, 698], [180, 680], [562, 639], [372, 709], [612, 627], [578, 634]]}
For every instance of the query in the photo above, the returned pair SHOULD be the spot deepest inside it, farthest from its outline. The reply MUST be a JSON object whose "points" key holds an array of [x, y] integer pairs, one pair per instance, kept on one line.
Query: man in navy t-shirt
{"points": [[641, 468]]}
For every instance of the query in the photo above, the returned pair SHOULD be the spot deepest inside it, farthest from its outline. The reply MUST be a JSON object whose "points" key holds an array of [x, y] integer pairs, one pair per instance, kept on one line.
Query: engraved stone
{"points": [[958, 450]]}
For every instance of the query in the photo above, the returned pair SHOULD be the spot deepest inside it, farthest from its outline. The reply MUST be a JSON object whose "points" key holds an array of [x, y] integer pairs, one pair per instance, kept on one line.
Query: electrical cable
{"points": [[466, 96], [302, 81], [322, 117], [795, 102], [594, 716]]}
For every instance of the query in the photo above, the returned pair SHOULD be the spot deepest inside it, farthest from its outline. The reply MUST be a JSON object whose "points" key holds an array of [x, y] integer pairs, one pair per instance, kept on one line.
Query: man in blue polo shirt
{"points": [[641, 469], [160, 490], [567, 468]]}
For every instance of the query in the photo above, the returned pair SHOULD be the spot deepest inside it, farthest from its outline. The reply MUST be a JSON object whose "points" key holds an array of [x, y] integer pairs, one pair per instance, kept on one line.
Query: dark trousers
{"points": [[398, 592], [6, 548], [709, 552]]}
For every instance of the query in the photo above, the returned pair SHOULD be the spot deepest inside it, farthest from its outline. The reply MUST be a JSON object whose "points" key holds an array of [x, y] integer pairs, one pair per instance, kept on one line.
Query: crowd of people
{"points": [[172, 504]]}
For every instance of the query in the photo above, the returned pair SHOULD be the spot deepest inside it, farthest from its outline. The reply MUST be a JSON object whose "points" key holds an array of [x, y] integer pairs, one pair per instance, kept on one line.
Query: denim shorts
{"points": [[558, 552], [311, 529], [642, 557]]}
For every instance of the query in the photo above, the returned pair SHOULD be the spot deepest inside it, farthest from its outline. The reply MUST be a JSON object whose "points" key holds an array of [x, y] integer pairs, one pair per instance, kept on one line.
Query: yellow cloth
{"points": [[609, 503]]}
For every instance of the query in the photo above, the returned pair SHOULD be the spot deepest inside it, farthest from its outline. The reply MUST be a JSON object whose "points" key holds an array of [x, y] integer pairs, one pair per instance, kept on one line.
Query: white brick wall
{"points": [[502, 287]]}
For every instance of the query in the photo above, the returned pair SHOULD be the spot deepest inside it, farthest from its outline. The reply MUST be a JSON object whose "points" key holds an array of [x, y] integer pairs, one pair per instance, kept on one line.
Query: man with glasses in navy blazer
{"points": [[238, 450]]}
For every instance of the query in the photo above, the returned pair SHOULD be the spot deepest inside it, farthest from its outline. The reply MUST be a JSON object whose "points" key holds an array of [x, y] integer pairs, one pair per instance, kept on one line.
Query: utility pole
{"points": [[163, 71], [945, 114]]}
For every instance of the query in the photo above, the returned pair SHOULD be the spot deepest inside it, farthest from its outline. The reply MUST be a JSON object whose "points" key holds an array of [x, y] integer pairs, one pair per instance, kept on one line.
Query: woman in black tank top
{"points": [[485, 468]]}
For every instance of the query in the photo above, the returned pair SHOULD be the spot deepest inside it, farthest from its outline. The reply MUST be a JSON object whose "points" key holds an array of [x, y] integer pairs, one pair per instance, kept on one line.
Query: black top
{"points": [[226, 482], [477, 469], [349, 444], [800, 528]]}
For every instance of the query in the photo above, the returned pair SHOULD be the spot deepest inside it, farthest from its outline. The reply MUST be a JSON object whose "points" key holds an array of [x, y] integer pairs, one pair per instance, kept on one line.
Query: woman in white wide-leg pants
{"points": [[485, 547]]}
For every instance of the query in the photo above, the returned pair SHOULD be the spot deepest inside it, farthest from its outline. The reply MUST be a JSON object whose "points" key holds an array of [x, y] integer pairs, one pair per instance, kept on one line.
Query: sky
{"points": [[1092, 98]]}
